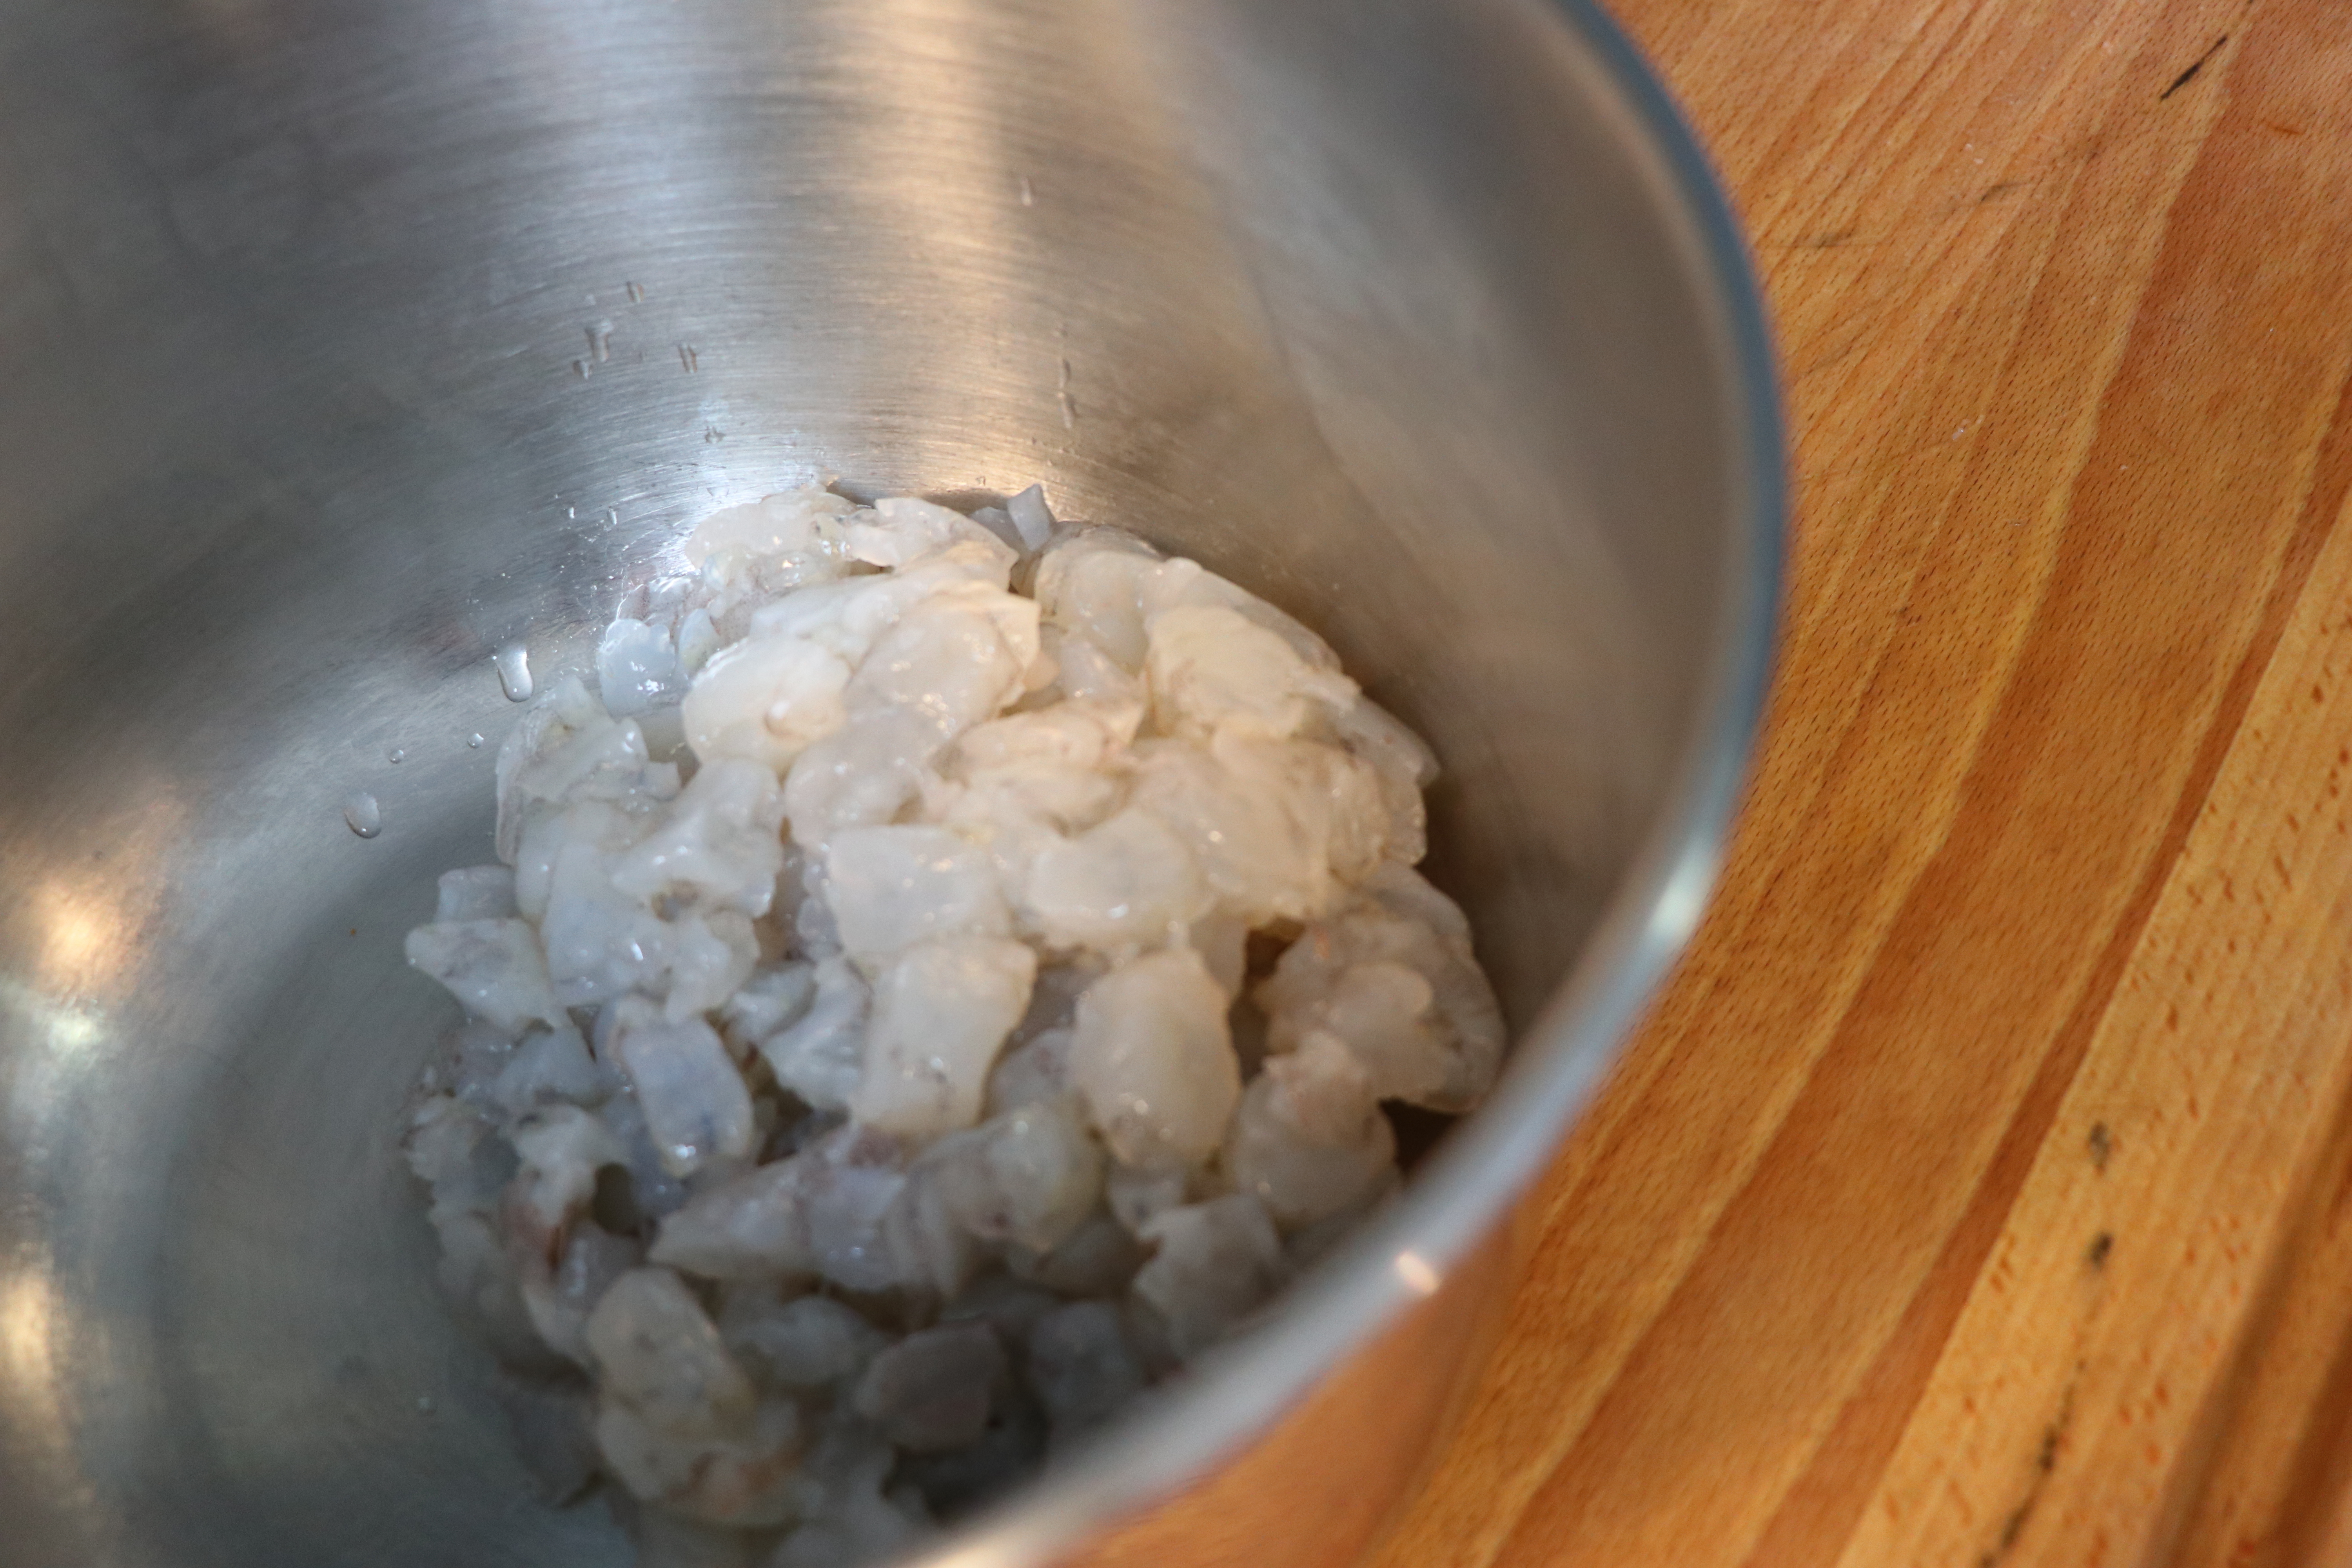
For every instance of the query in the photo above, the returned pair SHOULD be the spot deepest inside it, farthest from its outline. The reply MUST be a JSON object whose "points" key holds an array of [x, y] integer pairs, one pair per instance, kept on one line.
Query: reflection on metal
{"points": [[88, 914], [29, 1360], [62, 1038], [76, 930], [1418, 1275], [1682, 899]]}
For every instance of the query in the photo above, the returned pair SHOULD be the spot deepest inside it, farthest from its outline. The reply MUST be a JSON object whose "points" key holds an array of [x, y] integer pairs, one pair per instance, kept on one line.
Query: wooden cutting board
{"points": [[1978, 1192]]}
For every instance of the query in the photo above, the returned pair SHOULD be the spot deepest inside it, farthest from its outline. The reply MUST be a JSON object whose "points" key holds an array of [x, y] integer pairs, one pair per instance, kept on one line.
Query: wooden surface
{"points": [[1981, 1192]]}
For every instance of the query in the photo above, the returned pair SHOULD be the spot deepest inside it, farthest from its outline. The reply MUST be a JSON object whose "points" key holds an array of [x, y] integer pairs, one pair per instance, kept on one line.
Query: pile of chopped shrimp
{"points": [[948, 973]]}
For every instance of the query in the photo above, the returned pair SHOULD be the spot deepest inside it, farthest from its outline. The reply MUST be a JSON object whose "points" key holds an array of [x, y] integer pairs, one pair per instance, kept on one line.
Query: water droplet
{"points": [[397, 755], [514, 672], [583, 369], [1028, 193], [600, 341], [637, 293], [688, 356], [473, 742], [362, 813]]}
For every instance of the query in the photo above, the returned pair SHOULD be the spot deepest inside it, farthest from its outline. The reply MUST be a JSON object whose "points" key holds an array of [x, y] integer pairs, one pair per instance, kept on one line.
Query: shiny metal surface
{"points": [[344, 339]]}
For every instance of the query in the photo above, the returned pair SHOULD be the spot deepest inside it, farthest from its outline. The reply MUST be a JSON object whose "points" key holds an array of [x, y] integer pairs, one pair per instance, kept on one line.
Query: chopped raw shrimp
{"points": [[912, 1013], [942, 1010], [1153, 1060], [1391, 975]]}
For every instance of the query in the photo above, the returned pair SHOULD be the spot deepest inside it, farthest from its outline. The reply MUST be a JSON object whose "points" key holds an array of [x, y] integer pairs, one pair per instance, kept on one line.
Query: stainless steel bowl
{"points": [[341, 341]]}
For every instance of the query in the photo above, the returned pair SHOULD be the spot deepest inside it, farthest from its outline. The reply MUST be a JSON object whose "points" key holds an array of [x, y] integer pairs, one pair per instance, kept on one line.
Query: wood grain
{"points": [[1981, 1190]]}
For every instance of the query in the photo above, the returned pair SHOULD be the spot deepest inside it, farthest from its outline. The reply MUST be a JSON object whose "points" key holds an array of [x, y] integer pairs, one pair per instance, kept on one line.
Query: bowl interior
{"points": [[346, 341]]}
